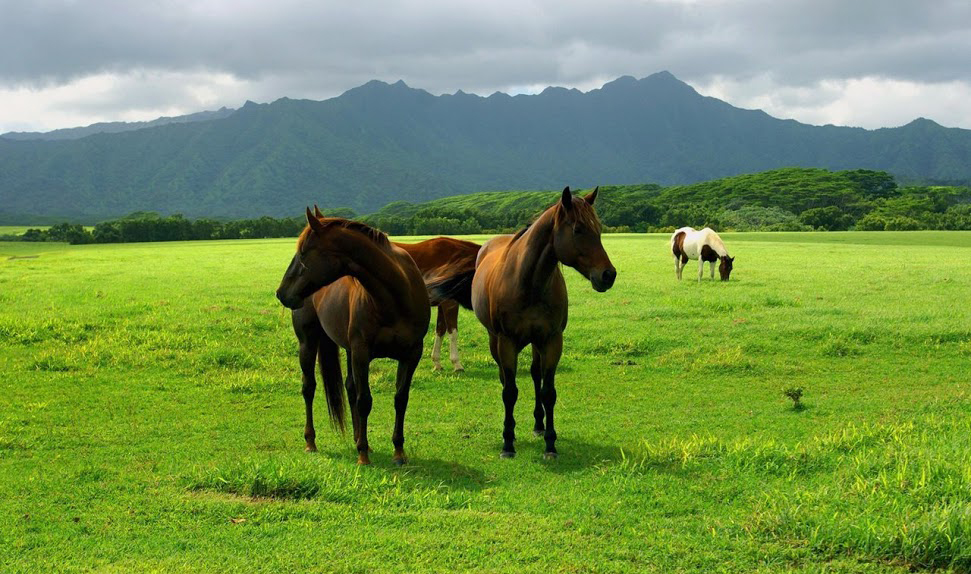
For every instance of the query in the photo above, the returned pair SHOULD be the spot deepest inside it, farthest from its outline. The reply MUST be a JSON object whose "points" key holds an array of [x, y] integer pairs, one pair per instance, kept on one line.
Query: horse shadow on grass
{"points": [[574, 455], [426, 471]]}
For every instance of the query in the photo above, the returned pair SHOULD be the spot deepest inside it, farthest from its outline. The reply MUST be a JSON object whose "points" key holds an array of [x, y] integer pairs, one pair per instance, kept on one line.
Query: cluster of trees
{"points": [[791, 199], [147, 226]]}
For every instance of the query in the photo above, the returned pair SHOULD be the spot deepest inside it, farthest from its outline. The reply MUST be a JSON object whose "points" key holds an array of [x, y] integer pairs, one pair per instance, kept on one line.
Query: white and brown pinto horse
{"points": [[705, 246]]}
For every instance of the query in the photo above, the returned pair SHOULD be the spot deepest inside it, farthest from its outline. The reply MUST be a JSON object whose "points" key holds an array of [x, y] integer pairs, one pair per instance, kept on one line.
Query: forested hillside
{"points": [[381, 143], [790, 199]]}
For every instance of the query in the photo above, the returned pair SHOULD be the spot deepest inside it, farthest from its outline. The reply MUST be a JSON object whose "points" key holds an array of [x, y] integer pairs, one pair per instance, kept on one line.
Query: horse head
{"points": [[314, 265], [576, 239], [725, 267]]}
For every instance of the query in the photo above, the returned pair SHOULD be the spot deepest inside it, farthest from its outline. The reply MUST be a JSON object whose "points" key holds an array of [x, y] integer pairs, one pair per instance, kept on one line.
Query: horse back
{"points": [[502, 305], [432, 254]]}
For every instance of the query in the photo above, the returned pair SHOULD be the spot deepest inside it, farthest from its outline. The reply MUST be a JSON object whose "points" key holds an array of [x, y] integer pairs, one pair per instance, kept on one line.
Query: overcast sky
{"points": [[869, 63]]}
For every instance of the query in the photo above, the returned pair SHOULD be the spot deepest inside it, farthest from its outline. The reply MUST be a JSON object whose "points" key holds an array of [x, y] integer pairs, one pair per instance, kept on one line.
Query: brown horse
{"points": [[348, 286], [519, 294], [432, 256]]}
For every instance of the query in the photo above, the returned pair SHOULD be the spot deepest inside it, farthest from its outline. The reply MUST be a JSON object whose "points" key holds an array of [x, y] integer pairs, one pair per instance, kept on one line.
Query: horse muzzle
{"points": [[603, 280], [289, 300]]}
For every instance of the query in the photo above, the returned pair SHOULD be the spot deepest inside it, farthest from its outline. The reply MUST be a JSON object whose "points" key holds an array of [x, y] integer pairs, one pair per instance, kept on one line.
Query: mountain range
{"points": [[382, 142]]}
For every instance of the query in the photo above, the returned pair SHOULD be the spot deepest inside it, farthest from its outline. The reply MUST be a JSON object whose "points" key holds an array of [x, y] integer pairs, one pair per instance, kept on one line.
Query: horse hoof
{"points": [[459, 370], [550, 455], [539, 432], [399, 462], [507, 454], [311, 448], [363, 460], [436, 368]]}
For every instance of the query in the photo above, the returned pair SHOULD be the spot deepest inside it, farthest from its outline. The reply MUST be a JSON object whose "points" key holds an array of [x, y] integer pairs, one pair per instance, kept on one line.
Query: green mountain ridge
{"points": [[380, 143]]}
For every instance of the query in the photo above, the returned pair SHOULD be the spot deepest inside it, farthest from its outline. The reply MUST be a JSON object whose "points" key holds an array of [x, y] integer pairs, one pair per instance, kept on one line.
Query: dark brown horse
{"points": [[348, 286], [432, 256], [519, 294]]}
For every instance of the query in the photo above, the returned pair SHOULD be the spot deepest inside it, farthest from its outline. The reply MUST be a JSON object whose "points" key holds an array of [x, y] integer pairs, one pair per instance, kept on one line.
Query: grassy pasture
{"points": [[151, 419]]}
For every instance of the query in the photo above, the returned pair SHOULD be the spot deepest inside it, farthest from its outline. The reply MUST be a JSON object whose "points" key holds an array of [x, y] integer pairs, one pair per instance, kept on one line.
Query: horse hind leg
{"points": [[451, 313]]}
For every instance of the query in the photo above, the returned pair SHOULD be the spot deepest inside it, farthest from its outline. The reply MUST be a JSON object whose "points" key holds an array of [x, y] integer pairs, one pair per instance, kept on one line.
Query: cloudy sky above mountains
{"points": [[869, 63]]}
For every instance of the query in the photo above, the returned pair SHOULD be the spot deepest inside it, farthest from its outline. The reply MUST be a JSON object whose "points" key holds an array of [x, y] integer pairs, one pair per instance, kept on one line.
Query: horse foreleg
{"points": [[701, 269], [440, 328], [307, 328], [507, 356], [308, 362], [536, 371], [361, 366], [551, 358], [406, 371], [677, 267]]}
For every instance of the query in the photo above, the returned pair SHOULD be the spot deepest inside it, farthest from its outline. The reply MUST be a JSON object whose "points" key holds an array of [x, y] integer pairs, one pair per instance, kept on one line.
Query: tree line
{"points": [[791, 199]]}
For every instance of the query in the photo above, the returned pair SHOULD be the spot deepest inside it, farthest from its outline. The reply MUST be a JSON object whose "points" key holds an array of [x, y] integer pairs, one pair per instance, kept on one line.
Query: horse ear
{"points": [[567, 198], [315, 223], [592, 197], [317, 212]]}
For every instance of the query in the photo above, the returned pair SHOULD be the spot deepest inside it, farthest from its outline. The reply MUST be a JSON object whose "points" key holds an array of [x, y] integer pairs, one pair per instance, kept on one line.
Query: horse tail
{"points": [[329, 359], [455, 285]]}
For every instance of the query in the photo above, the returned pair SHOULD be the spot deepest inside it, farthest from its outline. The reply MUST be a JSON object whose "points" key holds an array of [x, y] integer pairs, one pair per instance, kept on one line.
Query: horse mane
{"points": [[584, 213], [377, 236]]}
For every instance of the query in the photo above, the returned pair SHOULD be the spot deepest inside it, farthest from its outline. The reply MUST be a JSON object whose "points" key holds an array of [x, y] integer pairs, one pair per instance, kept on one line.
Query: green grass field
{"points": [[151, 419]]}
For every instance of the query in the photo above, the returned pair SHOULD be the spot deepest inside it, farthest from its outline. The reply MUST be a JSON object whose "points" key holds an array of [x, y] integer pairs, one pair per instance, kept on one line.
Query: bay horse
{"points": [[432, 256], [705, 246], [348, 286], [518, 293]]}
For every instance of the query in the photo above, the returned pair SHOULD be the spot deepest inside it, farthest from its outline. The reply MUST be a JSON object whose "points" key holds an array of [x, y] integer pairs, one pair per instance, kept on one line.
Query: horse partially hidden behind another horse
{"points": [[518, 293], [432, 256], [705, 246], [349, 286]]}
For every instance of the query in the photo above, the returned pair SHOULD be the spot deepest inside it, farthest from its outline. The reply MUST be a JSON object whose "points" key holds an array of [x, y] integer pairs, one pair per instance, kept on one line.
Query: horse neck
{"points": [[376, 269], [715, 243], [534, 255]]}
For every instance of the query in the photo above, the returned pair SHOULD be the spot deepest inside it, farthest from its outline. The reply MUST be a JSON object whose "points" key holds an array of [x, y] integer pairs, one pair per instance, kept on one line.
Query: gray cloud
{"points": [[319, 49]]}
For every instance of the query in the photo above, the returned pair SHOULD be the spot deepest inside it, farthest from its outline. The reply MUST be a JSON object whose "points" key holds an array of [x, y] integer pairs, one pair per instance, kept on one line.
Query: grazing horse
{"points": [[519, 295], [432, 256], [705, 246], [348, 286]]}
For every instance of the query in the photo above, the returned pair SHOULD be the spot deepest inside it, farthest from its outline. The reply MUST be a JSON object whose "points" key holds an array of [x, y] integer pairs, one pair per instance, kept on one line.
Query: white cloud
{"points": [[68, 63], [864, 102]]}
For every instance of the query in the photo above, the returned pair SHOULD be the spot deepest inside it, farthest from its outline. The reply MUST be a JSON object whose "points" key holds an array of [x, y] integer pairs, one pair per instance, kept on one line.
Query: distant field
{"points": [[19, 229], [152, 420]]}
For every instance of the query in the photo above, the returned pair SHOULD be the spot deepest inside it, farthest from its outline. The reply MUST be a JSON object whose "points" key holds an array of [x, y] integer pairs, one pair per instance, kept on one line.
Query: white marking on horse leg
{"points": [[701, 269], [453, 350], [712, 270], [437, 352]]}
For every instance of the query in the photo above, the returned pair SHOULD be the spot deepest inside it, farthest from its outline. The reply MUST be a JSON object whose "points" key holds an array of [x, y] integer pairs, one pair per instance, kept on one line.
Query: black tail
{"points": [[457, 287], [328, 358]]}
